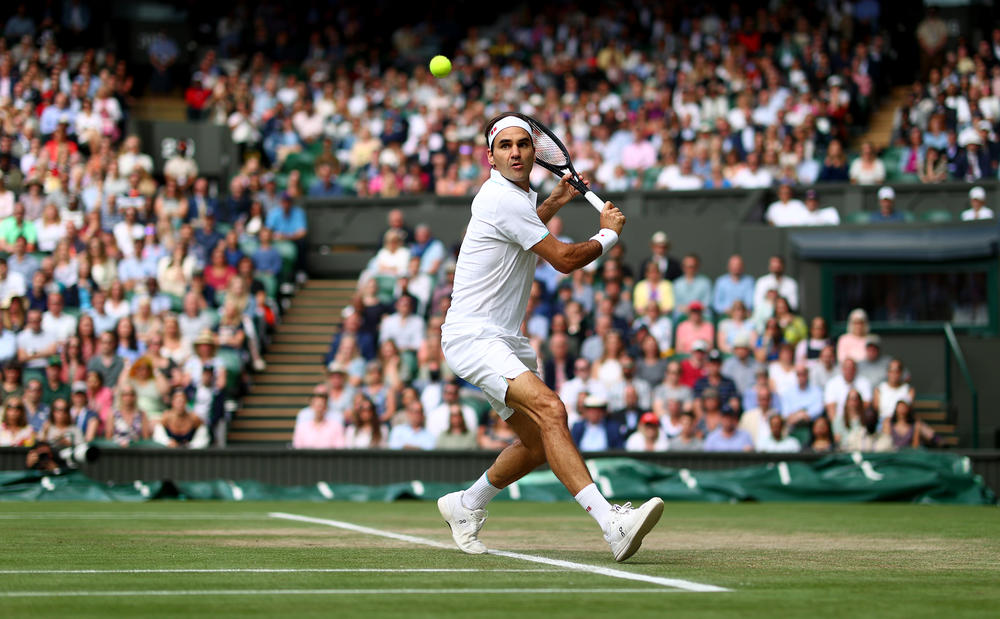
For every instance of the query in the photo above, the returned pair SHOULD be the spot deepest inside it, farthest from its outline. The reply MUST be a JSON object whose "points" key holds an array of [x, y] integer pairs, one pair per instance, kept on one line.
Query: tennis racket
{"points": [[551, 154]]}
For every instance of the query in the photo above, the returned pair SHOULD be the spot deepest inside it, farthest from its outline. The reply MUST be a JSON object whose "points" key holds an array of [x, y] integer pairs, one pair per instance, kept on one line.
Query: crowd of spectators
{"points": [[719, 96], [134, 305], [648, 359]]}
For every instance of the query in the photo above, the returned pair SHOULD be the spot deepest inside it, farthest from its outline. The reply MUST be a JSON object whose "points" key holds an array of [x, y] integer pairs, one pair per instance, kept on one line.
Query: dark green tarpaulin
{"points": [[916, 477]]}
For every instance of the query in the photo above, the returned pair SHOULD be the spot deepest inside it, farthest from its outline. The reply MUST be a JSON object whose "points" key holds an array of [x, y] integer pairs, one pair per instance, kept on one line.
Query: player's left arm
{"points": [[560, 196]]}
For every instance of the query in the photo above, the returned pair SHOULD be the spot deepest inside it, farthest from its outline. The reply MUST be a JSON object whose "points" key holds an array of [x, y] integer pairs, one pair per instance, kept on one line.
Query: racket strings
{"points": [[547, 150]]}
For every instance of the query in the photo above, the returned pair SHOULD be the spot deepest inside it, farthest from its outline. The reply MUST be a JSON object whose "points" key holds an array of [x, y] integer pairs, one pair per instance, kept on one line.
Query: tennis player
{"points": [[483, 345]]}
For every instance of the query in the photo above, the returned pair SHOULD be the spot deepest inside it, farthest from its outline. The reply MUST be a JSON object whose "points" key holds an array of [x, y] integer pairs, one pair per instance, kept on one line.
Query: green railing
{"points": [[951, 348]]}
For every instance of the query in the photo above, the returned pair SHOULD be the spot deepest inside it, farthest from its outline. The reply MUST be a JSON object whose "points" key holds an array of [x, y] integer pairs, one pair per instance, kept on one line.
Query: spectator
{"points": [[892, 390], [670, 268], [755, 420], [713, 379], [734, 286], [694, 329], [862, 432], [366, 432], [695, 366], [853, 344], [934, 168], [649, 436], [179, 427], [803, 402], [977, 206], [85, 418], [834, 164], [907, 432], [14, 430], [775, 440], [793, 327], [59, 430], [692, 287], [867, 169], [824, 368], [404, 328], [672, 389], [595, 432], [874, 366], [973, 161], [887, 212], [728, 436], [457, 435], [816, 216], [786, 211], [741, 367], [129, 424], [35, 344], [687, 439], [653, 290], [776, 280], [823, 440], [318, 431], [107, 362], [652, 365], [412, 434], [808, 350], [99, 397], [735, 328], [438, 420], [839, 386]]}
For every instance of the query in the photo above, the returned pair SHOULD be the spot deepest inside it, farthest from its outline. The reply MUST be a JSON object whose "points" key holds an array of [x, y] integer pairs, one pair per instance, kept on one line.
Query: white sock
{"points": [[479, 493], [591, 499]]}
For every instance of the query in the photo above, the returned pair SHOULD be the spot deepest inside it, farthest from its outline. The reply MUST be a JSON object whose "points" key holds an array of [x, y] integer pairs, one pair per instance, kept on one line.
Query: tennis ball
{"points": [[440, 66]]}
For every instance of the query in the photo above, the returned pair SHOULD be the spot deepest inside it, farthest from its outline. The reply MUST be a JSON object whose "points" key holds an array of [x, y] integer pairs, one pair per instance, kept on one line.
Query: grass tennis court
{"points": [[297, 559]]}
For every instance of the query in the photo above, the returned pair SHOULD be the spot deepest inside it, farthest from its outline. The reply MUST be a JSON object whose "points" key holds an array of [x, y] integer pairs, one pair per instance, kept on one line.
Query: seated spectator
{"points": [[12, 283], [218, 272], [14, 429], [107, 362], [20, 261], [457, 435], [35, 344], [817, 216], [367, 432], [595, 432], [404, 328], [891, 390], [887, 212], [205, 348], [728, 436], [867, 169], [875, 365], [670, 267], [151, 386], [99, 398], [735, 328], [18, 226], [653, 290], [803, 402], [977, 206], [972, 162], [412, 434], [907, 432], [319, 431], [934, 168], [691, 287], [687, 439], [695, 366], [129, 423], [824, 368], [267, 259], [834, 167], [862, 432], [672, 389], [652, 365], [179, 427], [325, 185], [776, 280], [649, 436], [853, 344], [822, 440], [438, 420], [808, 350], [37, 410], [494, 433], [793, 327], [835, 393], [786, 210], [393, 258], [289, 224], [734, 286], [85, 418], [775, 441], [753, 176], [694, 329], [50, 229], [59, 430], [713, 379]]}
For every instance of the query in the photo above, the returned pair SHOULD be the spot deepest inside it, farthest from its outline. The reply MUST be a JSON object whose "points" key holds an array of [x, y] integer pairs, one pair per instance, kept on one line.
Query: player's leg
{"points": [[624, 528], [521, 457]]}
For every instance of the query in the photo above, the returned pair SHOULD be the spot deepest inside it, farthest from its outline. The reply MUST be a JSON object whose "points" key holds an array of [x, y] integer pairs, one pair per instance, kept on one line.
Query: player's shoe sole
{"points": [[464, 523], [628, 529]]}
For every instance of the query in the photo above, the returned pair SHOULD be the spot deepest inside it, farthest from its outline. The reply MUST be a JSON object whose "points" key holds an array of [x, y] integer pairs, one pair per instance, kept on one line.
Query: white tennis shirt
{"points": [[495, 265]]}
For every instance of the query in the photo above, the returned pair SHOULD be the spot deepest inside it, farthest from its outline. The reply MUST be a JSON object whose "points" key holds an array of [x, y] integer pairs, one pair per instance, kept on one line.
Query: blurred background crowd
{"points": [[137, 300]]}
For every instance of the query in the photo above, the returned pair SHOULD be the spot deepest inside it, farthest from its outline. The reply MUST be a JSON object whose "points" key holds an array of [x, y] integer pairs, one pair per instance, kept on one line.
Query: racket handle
{"points": [[593, 199]]}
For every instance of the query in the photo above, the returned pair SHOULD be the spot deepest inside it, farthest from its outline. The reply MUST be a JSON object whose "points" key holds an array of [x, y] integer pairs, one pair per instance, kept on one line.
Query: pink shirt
{"points": [[688, 334], [851, 347], [326, 434]]}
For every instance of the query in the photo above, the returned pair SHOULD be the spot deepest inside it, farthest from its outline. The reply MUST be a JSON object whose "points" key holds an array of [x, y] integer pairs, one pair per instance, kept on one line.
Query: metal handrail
{"points": [[952, 348]]}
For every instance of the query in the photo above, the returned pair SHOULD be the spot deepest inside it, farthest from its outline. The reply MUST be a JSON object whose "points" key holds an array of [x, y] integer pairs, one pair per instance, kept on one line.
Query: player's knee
{"points": [[552, 414]]}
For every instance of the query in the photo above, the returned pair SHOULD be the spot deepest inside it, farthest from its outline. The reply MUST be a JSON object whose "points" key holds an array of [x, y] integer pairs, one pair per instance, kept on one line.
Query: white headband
{"points": [[504, 123]]}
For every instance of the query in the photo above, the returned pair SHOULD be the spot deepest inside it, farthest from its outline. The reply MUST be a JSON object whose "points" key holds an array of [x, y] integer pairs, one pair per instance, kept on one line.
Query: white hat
{"points": [[977, 193], [699, 345], [886, 193], [595, 401]]}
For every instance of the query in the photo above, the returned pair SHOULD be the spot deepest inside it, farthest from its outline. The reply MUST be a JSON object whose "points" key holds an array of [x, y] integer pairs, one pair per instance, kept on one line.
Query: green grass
{"points": [[809, 560]]}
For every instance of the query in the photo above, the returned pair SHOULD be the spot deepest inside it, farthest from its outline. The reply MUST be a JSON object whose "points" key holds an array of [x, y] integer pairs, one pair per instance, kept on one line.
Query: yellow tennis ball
{"points": [[440, 66]]}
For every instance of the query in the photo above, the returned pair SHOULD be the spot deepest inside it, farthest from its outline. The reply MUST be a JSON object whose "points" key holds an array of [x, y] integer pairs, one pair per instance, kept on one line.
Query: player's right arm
{"points": [[567, 257]]}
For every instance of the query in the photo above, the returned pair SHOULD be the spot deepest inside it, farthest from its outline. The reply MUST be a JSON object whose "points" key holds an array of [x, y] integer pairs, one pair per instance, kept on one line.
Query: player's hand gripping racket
{"points": [[551, 154]]}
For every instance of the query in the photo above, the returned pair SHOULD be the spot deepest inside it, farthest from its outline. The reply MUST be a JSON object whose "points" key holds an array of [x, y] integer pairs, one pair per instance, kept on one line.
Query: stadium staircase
{"points": [[934, 412], [171, 108], [879, 130], [294, 365]]}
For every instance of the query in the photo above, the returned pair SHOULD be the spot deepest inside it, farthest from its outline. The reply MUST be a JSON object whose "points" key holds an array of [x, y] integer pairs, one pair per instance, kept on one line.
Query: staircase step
{"points": [[301, 323], [277, 358], [943, 428], [279, 401], [331, 284], [298, 348], [268, 413], [933, 416], [300, 390], [310, 336], [260, 438], [264, 424], [278, 378], [302, 369]]}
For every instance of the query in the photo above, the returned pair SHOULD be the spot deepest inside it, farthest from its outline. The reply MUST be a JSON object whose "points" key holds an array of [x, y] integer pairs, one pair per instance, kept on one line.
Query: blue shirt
{"points": [[727, 291], [293, 222], [717, 441], [267, 260], [404, 435], [697, 289], [595, 438], [810, 399], [878, 218]]}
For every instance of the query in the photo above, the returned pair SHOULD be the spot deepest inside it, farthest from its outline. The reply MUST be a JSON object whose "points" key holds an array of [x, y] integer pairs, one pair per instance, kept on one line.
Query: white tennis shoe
{"points": [[627, 526], [464, 522]]}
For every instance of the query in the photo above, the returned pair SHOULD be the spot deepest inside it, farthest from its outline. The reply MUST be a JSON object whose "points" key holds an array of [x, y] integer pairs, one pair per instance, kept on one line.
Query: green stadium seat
{"points": [[234, 368], [937, 216], [270, 283], [386, 288], [857, 217], [909, 217], [302, 161], [649, 177]]}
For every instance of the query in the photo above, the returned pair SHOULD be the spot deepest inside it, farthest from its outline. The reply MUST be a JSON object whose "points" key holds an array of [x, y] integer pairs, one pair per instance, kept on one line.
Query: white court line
{"points": [[218, 592], [276, 570], [676, 583], [136, 516]]}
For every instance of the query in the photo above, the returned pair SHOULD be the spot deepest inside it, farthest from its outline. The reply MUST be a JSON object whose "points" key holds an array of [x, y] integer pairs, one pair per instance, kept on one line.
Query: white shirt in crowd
{"points": [[62, 326], [837, 389], [984, 212], [407, 333], [791, 213], [439, 419], [787, 288]]}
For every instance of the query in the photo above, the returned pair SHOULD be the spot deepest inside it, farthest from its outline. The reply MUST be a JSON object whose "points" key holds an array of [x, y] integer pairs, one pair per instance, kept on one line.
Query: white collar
{"points": [[497, 177]]}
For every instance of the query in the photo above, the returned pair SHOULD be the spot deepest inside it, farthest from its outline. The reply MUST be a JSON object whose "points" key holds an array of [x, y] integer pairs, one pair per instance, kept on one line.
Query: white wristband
{"points": [[607, 238]]}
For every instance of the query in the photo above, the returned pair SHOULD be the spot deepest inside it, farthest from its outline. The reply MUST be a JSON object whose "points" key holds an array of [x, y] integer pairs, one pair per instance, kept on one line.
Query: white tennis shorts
{"points": [[487, 361]]}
